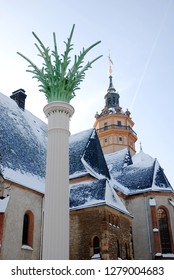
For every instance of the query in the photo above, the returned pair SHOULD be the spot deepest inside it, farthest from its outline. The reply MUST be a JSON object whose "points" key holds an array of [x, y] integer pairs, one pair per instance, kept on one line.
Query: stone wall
{"points": [[108, 224]]}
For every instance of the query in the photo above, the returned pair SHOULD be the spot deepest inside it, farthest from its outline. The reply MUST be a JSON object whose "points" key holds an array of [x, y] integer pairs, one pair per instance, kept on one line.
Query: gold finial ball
{"points": [[110, 69]]}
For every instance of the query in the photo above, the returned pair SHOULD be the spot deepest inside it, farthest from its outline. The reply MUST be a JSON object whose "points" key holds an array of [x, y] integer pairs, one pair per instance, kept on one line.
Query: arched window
{"points": [[28, 228], [163, 224], [96, 245]]}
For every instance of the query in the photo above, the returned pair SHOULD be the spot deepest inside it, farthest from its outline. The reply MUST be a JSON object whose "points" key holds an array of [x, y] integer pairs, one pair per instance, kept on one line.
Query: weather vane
{"points": [[110, 63]]}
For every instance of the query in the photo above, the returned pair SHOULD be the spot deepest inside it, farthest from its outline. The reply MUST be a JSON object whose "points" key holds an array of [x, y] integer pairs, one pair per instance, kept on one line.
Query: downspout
{"points": [[42, 225], [147, 222]]}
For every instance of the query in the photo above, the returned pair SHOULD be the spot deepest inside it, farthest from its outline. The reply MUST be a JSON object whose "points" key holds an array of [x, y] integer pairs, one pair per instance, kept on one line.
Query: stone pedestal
{"points": [[56, 208]]}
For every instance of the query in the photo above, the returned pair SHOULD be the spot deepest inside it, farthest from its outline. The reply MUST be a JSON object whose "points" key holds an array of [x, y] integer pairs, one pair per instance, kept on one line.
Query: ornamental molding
{"points": [[58, 107]]}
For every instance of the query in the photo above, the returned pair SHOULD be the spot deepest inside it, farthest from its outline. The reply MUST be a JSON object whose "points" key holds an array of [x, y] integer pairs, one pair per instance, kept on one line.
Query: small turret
{"points": [[112, 97]]}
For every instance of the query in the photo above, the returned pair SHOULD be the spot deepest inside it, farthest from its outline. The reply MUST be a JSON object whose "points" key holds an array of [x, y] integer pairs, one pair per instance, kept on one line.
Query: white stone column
{"points": [[56, 210]]}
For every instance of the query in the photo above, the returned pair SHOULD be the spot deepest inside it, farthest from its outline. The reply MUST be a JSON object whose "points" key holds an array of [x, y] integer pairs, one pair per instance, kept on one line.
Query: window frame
{"points": [[28, 229]]}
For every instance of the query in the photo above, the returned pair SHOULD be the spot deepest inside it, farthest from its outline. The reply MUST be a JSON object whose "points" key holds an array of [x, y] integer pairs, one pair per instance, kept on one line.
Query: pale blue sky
{"points": [[139, 35]]}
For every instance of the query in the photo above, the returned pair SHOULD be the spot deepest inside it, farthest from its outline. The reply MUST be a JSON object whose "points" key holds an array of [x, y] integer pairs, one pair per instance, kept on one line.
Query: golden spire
{"points": [[110, 64]]}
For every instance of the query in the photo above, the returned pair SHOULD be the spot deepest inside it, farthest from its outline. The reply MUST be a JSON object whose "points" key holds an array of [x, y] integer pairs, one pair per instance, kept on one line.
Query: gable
{"points": [[86, 155]]}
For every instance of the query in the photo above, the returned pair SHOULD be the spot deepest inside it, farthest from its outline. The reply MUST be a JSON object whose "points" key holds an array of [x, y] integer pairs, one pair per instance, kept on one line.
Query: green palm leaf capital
{"points": [[56, 79]]}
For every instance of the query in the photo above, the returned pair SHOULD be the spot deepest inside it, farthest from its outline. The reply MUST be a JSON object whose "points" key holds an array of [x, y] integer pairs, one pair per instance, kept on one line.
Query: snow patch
{"points": [[152, 202], [141, 157], [171, 202], [155, 230], [4, 203], [25, 179], [26, 247], [96, 257], [113, 199]]}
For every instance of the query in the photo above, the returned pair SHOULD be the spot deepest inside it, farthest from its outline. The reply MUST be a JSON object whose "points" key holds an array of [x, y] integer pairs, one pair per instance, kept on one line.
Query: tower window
{"points": [[105, 126], [120, 139], [106, 140], [119, 123], [109, 101]]}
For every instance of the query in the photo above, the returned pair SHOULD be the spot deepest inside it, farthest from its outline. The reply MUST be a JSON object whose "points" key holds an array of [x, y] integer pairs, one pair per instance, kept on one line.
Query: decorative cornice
{"points": [[58, 107]]}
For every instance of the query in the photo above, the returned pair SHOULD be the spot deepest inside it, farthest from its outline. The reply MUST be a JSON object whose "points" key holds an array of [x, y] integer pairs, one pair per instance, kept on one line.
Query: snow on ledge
{"points": [[171, 202], [152, 202], [26, 247], [158, 254], [96, 257], [3, 204], [28, 180], [169, 255]]}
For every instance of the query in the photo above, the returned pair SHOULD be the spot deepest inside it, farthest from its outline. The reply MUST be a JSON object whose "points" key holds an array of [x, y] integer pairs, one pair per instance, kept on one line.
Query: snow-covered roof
{"points": [[143, 174], [86, 155], [117, 161], [23, 139], [94, 193]]}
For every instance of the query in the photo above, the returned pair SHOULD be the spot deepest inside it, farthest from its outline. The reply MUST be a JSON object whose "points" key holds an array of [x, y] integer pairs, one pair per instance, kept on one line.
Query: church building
{"points": [[141, 181], [121, 203]]}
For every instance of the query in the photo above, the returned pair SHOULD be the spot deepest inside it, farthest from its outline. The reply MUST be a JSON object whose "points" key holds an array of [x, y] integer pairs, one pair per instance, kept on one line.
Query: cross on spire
{"points": [[141, 147]]}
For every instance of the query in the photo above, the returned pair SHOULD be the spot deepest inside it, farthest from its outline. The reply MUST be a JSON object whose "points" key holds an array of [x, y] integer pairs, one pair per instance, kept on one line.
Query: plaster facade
{"points": [[21, 200], [146, 236]]}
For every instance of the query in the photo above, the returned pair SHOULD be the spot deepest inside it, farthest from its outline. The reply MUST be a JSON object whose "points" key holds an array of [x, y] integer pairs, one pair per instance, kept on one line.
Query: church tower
{"points": [[113, 125]]}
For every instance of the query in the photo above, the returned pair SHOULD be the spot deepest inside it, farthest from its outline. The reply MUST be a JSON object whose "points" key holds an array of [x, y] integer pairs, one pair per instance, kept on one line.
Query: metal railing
{"points": [[114, 126]]}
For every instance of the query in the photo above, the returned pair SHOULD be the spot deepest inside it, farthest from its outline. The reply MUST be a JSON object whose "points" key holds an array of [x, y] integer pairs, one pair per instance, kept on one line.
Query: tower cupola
{"points": [[112, 97], [113, 125]]}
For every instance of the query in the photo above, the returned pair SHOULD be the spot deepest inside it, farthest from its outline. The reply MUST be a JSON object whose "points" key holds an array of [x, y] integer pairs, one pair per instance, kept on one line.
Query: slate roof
{"points": [[117, 161], [94, 193], [143, 174], [23, 140], [86, 155]]}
